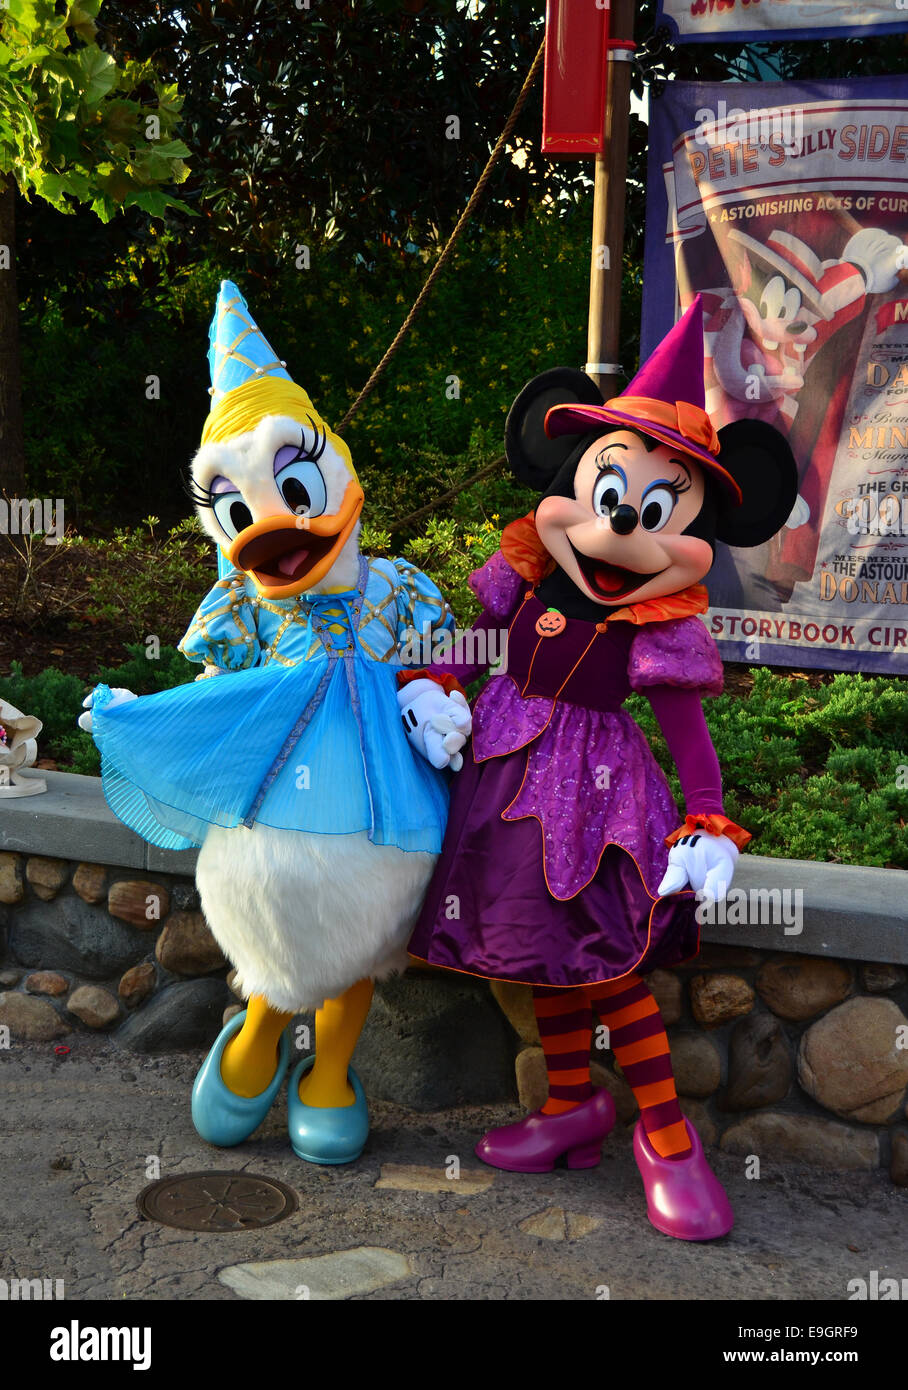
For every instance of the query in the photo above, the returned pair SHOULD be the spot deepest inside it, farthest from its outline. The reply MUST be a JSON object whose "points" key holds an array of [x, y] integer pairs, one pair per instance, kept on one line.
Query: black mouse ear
{"points": [[759, 459], [534, 458]]}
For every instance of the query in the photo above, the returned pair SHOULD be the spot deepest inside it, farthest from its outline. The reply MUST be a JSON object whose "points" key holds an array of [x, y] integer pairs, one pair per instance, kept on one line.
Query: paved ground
{"points": [[78, 1134]]}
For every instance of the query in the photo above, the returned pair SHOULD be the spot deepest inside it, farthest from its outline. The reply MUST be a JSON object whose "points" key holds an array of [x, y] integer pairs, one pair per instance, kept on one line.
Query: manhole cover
{"points": [[217, 1202]]}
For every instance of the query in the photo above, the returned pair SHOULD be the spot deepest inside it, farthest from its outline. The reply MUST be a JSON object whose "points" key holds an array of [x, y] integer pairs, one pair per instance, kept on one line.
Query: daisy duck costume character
{"points": [[564, 864], [285, 760]]}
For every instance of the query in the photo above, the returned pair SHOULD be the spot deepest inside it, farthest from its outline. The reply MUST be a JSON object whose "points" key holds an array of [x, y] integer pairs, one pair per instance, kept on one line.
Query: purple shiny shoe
{"points": [[534, 1143], [684, 1198]]}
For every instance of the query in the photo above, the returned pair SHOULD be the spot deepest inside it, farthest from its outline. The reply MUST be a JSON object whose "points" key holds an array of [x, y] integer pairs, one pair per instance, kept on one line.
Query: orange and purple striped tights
{"points": [[636, 1035]]}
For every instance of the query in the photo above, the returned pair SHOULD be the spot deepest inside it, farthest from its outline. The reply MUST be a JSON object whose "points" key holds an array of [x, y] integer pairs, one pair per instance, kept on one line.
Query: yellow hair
{"points": [[240, 410]]}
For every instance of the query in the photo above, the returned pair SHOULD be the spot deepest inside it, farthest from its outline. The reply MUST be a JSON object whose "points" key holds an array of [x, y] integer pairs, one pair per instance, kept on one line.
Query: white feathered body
{"points": [[303, 916]]}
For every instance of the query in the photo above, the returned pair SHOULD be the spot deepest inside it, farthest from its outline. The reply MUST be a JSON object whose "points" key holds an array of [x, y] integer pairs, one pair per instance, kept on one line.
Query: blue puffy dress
{"points": [[301, 731]]}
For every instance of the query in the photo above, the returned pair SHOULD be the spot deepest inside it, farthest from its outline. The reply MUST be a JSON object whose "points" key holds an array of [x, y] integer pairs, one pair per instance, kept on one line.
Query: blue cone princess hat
{"points": [[249, 382], [238, 349]]}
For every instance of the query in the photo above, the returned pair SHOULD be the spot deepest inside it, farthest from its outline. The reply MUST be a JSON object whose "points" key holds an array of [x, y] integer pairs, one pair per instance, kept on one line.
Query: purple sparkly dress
{"points": [[555, 840]]}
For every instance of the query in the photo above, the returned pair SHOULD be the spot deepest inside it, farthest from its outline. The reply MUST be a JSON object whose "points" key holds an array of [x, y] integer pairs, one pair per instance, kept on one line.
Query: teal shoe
{"points": [[221, 1117], [326, 1135]]}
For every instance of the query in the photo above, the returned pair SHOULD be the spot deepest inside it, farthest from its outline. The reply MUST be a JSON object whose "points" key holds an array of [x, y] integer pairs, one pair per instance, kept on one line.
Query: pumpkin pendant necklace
{"points": [[551, 623]]}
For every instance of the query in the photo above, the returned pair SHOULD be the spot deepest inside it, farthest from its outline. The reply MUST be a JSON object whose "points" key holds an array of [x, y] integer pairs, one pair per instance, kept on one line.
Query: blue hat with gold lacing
{"points": [[238, 349]]}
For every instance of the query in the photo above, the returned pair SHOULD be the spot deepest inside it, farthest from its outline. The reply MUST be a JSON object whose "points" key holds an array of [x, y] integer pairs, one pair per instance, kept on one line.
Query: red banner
{"points": [[576, 66]]}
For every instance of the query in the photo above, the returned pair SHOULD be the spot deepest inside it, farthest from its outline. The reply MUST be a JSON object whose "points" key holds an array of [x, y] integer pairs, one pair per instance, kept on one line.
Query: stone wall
{"points": [[88, 946], [91, 947], [781, 1056], [777, 1053]]}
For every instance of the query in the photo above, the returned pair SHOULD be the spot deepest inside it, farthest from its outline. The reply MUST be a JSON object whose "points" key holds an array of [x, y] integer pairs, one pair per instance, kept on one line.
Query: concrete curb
{"points": [[843, 910], [72, 820], [796, 905]]}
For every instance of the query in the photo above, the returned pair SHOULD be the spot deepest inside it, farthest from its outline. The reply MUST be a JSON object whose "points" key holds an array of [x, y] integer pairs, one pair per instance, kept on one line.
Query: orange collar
{"points": [[528, 557]]}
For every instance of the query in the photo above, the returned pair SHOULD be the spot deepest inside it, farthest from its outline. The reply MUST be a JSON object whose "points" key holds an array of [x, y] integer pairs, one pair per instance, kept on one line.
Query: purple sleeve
{"points": [[498, 588], [473, 652], [679, 653], [681, 719]]}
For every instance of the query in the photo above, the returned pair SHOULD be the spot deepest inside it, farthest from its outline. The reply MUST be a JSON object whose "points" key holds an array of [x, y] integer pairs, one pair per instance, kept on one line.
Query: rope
{"points": [[484, 472], [452, 240]]}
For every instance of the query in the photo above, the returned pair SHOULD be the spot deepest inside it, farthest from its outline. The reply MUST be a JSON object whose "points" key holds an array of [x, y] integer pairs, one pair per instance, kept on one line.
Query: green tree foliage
{"points": [[74, 125], [493, 321], [362, 120]]}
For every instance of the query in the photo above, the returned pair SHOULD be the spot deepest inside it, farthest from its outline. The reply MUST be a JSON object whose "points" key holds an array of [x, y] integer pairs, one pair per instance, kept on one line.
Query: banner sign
{"points": [[576, 76], [743, 21], [786, 206]]}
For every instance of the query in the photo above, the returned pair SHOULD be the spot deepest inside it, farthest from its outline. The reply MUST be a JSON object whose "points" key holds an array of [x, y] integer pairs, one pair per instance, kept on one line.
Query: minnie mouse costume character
{"points": [[564, 865]]}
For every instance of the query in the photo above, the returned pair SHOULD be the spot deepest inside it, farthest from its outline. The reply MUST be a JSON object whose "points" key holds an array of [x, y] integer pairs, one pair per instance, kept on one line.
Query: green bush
{"points": [[139, 575], [825, 818], [812, 773], [51, 696], [145, 675], [56, 699]]}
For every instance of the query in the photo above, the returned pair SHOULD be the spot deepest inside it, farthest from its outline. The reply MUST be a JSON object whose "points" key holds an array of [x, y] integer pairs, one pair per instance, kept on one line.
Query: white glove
{"points": [[879, 256], [707, 862], [800, 514], [120, 697], [437, 725]]}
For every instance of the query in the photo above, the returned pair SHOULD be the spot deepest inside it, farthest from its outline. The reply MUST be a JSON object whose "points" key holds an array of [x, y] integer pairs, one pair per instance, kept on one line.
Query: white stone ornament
{"points": [[20, 751]]}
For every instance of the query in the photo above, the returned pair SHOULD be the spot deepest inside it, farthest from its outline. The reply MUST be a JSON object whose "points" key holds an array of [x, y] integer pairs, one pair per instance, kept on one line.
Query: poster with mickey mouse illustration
{"points": [[786, 207]]}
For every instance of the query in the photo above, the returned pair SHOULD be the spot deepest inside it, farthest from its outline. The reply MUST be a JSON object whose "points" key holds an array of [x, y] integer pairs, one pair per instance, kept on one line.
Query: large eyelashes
{"points": [[300, 484], [230, 511], [656, 506], [299, 480], [316, 448], [313, 503], [201, 496], [659, 501]]}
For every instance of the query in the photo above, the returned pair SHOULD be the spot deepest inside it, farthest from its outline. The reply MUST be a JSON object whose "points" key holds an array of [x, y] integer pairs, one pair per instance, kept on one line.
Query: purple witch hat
{"points": [[666, 400]]}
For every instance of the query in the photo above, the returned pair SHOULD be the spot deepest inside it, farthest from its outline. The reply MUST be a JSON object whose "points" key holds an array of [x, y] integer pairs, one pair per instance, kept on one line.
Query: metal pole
{"points": [[608, 212]]}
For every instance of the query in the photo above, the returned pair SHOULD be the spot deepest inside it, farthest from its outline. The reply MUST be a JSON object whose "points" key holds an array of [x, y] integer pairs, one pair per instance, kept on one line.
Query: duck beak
{"points": [[286, 555]]}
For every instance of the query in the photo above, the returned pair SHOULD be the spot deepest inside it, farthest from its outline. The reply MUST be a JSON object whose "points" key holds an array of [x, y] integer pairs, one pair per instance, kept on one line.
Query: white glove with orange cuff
{"points": [[706, 862]]}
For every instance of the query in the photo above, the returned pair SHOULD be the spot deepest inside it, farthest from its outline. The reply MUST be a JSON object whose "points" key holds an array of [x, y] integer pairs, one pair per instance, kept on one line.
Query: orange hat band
{"points": [[685, 419]]}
